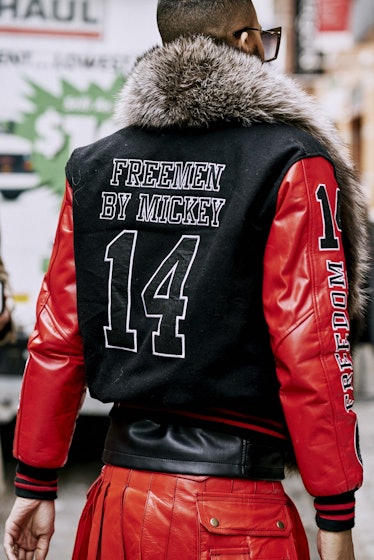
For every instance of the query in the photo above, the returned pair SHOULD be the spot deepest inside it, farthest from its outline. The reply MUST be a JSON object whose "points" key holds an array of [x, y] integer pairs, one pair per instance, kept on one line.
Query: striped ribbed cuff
{"points": [[335, 513], [34, 483]]}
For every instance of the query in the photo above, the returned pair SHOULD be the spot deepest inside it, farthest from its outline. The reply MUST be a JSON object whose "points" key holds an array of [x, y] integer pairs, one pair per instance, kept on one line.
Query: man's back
{"points": [[170, 301]]}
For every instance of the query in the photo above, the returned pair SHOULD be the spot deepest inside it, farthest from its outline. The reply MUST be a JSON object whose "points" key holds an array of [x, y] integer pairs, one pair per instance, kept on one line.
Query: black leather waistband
{"points": [[146, 444]]}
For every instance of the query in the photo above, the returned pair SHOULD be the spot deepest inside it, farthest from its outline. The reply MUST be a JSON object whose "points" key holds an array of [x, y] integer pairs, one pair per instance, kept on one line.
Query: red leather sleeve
{"points": [[305, 302], [54, 378]]}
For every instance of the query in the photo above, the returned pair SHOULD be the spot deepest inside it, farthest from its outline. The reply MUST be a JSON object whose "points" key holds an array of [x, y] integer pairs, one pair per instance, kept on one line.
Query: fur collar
{"points": [[193, 82]]}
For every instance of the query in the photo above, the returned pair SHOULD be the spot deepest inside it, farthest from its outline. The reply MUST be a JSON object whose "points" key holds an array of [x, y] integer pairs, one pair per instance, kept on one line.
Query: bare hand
{"points": [[335, 546], [29, 529]]}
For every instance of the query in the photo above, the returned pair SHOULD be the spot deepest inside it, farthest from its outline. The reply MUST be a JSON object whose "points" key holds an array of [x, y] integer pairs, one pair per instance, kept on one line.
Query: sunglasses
{"points": [[270, 38]]}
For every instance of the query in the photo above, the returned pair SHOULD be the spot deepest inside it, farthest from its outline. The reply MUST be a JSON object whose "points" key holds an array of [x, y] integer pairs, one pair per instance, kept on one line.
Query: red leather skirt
{"points": [[141, 515]]}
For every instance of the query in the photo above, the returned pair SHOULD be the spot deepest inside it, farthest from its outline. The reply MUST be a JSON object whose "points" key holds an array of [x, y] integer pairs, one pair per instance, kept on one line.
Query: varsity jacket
{"points": [[208, 259]]}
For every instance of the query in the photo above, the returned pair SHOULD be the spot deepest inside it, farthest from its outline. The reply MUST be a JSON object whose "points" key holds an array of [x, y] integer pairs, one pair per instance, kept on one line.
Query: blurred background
{"points": [[61, 65]]}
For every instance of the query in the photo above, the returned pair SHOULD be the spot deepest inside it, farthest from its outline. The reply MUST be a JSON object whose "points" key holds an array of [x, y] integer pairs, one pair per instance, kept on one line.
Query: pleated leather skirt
{"points": [[141, 515]]}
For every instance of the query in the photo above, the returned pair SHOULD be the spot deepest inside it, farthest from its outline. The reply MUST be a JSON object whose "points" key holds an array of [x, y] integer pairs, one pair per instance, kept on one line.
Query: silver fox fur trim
{"points": [[193, 82]]}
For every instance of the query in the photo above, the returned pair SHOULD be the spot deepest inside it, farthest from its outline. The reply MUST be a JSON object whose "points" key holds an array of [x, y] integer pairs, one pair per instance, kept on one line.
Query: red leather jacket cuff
{"points": [[35, 483], [335, 513]]}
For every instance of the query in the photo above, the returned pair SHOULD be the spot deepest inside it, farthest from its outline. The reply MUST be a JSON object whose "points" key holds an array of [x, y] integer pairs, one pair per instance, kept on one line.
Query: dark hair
{"points": [[177, 18]]}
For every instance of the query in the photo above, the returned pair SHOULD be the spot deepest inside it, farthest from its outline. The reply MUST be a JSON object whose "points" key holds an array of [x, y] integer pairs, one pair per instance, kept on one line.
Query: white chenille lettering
{"points": [[337, 276], [175, 216], [340, 326], [347, 381], [341, 342], [178, 175], [201, 174], [118, 167], [163, 210], [165, 179], [339, 300], [151, 173], [348, 402], [191, 202], [184, 174], [343, 361], [109, 206], [148, 207], [217, 204], [123, 200], [135, 173], [340, 320], [159, 208], [186, 210], [114, 205]]}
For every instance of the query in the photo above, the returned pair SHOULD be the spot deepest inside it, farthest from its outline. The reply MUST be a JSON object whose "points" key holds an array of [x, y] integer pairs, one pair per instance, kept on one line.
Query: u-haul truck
{"points": [[61, 64]]}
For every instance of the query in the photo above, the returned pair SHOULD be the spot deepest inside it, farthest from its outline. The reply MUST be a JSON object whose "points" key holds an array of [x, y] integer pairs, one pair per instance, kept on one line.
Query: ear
{"points": [[243, 43]]}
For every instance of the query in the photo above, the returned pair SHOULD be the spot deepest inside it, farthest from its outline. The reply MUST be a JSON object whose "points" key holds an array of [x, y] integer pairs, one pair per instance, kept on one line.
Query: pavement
{"points": [[77, 476]]}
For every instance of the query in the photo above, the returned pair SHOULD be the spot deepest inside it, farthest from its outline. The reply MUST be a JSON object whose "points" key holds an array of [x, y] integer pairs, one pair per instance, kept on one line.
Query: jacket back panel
{"points": [[170, 232]]}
